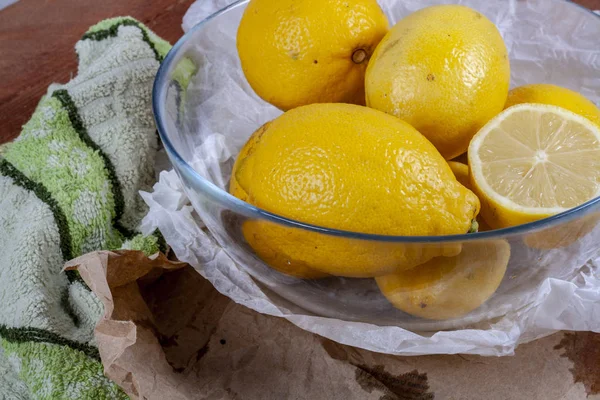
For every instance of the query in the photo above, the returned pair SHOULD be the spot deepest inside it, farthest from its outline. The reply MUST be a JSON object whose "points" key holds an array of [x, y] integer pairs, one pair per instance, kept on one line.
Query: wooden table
{"points": [[37, 39]]}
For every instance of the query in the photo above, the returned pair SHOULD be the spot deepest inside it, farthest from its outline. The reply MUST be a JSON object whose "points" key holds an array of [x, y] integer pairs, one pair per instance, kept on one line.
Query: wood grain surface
{"points": [[37, 39]]}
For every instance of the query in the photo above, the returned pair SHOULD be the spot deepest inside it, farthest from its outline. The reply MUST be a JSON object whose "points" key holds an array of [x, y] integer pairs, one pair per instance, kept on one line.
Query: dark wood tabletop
{"points": [[37, 39]]}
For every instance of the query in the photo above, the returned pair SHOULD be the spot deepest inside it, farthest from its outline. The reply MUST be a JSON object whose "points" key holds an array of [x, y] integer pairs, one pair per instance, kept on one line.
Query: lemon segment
{"points": [[533, 161]]}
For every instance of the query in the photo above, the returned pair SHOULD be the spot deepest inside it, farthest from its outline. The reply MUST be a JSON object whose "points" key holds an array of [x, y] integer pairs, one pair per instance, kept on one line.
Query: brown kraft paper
{"points": [[167, 333]]}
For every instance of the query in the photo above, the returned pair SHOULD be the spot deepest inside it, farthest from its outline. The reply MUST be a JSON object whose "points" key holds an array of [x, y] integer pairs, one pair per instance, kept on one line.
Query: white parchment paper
{"points": [[571, 302]]}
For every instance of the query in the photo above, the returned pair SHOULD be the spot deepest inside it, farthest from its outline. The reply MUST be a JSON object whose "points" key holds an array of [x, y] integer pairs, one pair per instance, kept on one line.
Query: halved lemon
{"points": [[532, 161]]}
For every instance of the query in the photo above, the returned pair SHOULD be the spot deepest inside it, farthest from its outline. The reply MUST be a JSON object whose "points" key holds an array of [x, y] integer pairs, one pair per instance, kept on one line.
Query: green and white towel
{"points": [[69, 185]]}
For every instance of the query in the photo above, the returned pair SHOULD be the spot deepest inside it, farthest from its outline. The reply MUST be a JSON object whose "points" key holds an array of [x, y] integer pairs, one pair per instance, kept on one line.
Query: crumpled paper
{"points": [[158, 316], [556, 305], [567, 296], [168, 334]]}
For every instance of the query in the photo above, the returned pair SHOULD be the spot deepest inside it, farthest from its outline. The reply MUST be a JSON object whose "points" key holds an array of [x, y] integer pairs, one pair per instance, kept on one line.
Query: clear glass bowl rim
{"points": [[231, 202]]}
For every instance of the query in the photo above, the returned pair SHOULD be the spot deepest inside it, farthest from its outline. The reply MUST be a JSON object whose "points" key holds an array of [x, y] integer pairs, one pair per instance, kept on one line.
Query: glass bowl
{"points": [[205, 111]]}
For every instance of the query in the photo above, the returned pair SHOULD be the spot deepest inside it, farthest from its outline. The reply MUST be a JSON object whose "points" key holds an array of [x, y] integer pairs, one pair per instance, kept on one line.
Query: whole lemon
{"points": [[449, 287], [553, 95], [349, 168], [463, 158], [444, 70], [260, 242], [461, 173], [297, 52]]}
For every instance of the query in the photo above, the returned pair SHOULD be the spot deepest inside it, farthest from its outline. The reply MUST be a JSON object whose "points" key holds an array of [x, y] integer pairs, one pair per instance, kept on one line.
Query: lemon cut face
{"points": [[533, 161]]}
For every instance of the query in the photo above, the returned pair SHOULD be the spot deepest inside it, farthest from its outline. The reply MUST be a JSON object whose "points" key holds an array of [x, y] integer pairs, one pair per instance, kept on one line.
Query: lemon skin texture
{"points": [[444, 70], [355, 169], [461, 172], [298, 52], [555, 96], [449, 287], [276, 260]]}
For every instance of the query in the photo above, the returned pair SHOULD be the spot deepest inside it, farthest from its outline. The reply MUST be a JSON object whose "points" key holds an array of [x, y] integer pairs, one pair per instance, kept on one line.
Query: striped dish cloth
{"points": [[69, 185]]}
